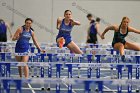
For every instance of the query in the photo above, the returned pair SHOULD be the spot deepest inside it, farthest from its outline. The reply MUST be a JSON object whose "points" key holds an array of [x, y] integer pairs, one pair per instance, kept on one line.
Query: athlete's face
{"points": [[28, 24], [125, 22], [68, 15], [90, 18]]}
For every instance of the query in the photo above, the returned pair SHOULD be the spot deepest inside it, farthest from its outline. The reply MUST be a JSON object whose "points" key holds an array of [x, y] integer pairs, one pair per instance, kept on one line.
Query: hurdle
{"points": [[81, 65], [98, 59], [87, 82]]}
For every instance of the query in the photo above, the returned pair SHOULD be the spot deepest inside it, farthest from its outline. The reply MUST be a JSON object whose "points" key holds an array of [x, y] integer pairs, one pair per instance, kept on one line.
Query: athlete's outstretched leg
{"points": [[132, 46], [73, 47]]}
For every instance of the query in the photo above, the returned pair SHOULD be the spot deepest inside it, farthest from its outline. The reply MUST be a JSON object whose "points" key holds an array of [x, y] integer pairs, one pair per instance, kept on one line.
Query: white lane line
{"points": [[31, 88], [67, 87], [109, 89]]}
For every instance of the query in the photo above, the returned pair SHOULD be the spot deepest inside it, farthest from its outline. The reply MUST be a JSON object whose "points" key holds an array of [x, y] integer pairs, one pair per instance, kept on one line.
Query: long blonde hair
{"points": [[125, 17]]}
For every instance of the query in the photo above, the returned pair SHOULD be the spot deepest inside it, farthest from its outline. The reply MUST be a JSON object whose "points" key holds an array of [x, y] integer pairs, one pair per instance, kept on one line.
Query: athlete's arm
{"points": [[17, 34], [74, 22], [112, 27], [131, 29], [8, 27], [59, 20], [88, 37], [97, 29], [35, 42]]}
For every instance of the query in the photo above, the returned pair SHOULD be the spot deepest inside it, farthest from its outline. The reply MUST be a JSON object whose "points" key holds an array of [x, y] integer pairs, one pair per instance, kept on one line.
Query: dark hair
{"points": [[30, 28], [89, 15], [67, 11], [1, 20], [92, 21], [28, 19], [98, 19]]}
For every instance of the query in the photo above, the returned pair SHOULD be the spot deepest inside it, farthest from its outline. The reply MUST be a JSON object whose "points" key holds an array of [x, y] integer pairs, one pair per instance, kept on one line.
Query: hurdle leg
{"points": [[89, 57], [3, 70], [3, 57], [32, 67], [116, 58], [69, 76], [137, 68], [32, 71], [49, 70], [112, 71], [6, 86], [79, 60], [87, 86], [63, 60], [137, 71], [42, 69], [98, 69], [100, 86], [38, 68], [18, 86], [7, 69], [119, 67], [58, 70], [129, 77]]}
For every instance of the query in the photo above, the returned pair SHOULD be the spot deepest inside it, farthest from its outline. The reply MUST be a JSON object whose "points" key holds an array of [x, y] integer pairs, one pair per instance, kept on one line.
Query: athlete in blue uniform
{"points": [[3, 33], [65, 25], [120, 32], [93, 30], [23, 35]]}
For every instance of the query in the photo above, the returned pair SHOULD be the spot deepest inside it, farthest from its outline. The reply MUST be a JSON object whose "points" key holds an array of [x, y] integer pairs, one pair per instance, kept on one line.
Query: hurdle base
{"points": [[113, 77], [78, 76], [96, 90], [32, 76], [62, 68], [137, 90], [42, 88], [125, 69], [48, 89]]}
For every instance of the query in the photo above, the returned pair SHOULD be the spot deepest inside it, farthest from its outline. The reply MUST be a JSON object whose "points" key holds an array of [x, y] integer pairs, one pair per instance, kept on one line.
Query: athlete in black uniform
{"points": [[120, 32]]}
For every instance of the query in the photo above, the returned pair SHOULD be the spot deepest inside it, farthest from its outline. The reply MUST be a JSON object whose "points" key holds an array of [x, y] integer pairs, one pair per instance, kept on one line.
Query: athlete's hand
{"points": [[102, 36], [17, 37], [43, 51], [88, 37], [71, 20]]}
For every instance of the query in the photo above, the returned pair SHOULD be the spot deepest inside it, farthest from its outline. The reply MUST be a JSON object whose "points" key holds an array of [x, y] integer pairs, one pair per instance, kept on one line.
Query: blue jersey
{"points": [[65, 29], [3, 27], [22, 44], [93, 30], [65, 32]]}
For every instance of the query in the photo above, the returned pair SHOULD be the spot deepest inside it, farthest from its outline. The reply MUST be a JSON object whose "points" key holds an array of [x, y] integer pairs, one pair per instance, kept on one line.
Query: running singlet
{"points": [[22, 44], [65, 32], [119, 37]]}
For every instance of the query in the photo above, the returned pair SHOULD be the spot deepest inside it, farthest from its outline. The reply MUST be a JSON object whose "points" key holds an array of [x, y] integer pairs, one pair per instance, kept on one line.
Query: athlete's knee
{"points": [[121, 47], [139, 49], [118, 46]]}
